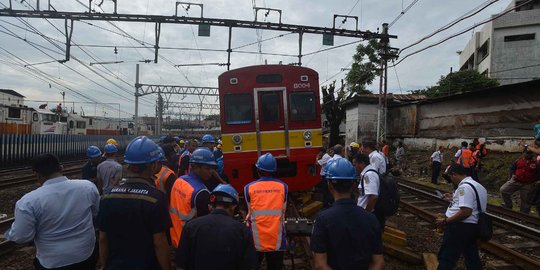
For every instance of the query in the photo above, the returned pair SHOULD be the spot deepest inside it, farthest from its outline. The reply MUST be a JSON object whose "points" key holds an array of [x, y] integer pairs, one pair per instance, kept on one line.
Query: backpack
{"points": [[388, 201], [485, 224]]}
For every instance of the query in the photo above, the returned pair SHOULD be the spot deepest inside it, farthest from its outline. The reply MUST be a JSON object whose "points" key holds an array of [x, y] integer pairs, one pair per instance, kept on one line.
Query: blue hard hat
{"points": [[224, 193], [93, 152], [142, 150], [162, 137], [341, 169], [110, 148], [162, 153], [266, 163], [202, 156], [208, 139], [325, 168]]}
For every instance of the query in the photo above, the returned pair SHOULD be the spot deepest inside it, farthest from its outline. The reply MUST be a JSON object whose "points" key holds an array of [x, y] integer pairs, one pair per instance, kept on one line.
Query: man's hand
{"points": [[448, 197]]}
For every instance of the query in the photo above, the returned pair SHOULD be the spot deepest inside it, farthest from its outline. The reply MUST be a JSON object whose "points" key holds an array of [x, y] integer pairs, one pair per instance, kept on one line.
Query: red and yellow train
{"points": [[271, 109]]}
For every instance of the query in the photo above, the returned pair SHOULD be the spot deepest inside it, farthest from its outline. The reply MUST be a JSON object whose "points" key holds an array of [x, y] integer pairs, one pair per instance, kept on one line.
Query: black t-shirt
{"points": [[216, 241], [130, 215], [348, 234], [184, 165], [89, 171]]}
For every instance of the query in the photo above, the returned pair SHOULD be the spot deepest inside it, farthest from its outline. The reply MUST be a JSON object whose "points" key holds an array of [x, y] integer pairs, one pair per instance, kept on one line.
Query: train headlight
{"points": [[307, 135], [237, 139]]}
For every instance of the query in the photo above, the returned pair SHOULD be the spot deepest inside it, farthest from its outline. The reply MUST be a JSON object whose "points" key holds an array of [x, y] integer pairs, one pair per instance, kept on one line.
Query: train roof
{"points": [[43, 111], [11, 92], [267, 69]]}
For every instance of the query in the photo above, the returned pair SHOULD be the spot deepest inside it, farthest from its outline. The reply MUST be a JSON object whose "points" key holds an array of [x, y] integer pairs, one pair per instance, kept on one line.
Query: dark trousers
{"points": [[459, 238], [327, 197], [88, 264], [435, 171], [274, 260]]}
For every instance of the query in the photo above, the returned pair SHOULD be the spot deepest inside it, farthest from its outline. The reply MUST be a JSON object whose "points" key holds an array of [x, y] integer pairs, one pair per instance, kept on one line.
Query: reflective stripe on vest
{"points": [[466, 158], [266, 215], [162, 177], [180, 208]]}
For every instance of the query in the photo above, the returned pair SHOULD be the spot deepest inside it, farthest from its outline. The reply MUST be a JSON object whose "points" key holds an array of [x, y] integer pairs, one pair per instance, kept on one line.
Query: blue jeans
{"points": [[459, 238]]}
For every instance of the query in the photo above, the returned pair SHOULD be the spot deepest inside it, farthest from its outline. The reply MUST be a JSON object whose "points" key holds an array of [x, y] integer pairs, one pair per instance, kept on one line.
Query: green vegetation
{"points": [[458, 82]]}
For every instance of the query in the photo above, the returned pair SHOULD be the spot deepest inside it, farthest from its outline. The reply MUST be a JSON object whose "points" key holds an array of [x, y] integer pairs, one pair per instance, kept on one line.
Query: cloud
{"points": [[114, 83]]}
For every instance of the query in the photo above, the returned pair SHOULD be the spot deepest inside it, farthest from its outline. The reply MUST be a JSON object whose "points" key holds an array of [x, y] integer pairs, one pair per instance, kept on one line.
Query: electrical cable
{"points": [[462, 32], [403, 11]]}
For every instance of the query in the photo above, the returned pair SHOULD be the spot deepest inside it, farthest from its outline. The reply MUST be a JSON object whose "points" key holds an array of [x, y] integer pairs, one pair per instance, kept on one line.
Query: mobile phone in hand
{"points": [[439, 194]]}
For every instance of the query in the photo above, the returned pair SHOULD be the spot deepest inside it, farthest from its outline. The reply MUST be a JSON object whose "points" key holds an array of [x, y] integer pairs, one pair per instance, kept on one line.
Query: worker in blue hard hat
{"points": [[164, 177], [89, 170], [345, 236], [134, 217], [217, 236], [266, 199], [109, 172], [209, 142], [190, 196]]}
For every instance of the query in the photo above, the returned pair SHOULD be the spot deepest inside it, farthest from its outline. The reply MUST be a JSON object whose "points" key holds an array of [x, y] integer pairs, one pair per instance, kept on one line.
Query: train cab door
{"points": [[271, 121]]}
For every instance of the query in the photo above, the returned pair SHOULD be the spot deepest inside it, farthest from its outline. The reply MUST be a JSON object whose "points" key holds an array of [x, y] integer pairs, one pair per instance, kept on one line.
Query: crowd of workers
{"points": [[175, 194]]}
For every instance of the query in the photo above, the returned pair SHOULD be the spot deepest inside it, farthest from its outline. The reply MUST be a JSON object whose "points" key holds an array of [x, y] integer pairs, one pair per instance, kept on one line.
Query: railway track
{"points": [[28, 179], [516, 238]]}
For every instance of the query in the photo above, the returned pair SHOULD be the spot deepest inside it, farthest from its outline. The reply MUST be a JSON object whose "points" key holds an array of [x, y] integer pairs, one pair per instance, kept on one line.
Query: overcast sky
{"points": [[113, 83]]}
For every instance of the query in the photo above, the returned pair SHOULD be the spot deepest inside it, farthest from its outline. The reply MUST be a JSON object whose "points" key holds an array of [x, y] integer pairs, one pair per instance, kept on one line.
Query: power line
{"points": [[462, 32], [403, 11], [397, 78], [467, 15]]}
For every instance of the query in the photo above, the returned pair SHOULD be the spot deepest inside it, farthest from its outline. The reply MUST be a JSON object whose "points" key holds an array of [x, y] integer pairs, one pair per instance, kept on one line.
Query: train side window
{"points": [[35, 117], [70, 124], [90, 122], [238, 109], [14, 113], [302, 106], [270, 107], [81, 124]]}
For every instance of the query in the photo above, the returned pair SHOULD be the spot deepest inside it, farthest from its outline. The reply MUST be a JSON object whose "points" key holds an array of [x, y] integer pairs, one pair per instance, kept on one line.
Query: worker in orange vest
{"points": [[266, 199], [164, 178], [468, 160], [189, 195]]}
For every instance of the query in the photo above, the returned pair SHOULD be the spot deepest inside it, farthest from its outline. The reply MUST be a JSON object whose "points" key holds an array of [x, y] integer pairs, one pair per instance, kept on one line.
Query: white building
{"points": [[507, 48], [10, 97]]}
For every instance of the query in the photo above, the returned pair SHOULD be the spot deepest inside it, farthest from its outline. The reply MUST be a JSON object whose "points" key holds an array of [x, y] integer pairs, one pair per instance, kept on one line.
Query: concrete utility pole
{"points": [[136, 124], [386, 53]]}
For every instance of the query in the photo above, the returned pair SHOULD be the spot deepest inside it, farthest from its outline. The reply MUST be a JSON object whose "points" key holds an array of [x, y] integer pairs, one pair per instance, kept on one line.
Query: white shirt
{"points": [[371, 185], [437, 156], [464, 196], [322, 162], [458, 153], [58, 217], [377, 161]]}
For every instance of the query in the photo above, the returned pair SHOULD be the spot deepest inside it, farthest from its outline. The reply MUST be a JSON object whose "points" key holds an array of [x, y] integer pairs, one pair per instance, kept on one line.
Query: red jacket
{"points": [[525, 170]]}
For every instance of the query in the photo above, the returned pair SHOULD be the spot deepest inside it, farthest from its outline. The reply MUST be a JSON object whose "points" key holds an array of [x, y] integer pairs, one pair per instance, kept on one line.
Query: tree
{"points": [[458, 82], [334, 112], [366, 66]]}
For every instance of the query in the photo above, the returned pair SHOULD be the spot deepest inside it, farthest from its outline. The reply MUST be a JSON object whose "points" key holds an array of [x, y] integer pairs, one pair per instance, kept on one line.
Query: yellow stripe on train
{"points": [[270, 140]]}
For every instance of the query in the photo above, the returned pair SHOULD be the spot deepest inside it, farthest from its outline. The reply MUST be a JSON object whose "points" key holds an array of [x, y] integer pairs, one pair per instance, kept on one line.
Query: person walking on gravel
{"points": [[524, 174]]}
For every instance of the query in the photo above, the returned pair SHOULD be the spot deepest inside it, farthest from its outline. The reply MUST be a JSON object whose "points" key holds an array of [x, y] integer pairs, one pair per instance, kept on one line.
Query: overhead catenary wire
{"points": [[403, 11]]}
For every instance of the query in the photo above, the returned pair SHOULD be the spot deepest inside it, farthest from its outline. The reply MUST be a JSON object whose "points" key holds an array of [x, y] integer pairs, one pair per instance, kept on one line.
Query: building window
{"points": [[81, 124], [238, 109], [70, 124], [519, 37], [90, 121], [483, 51], [14, 113]]}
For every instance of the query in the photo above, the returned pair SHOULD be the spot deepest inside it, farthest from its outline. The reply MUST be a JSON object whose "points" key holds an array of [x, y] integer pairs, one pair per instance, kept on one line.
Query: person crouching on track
{"points": [[217, 236], [461, 219], [345, 236], [133, 217], [189, 195], [266, 199]]}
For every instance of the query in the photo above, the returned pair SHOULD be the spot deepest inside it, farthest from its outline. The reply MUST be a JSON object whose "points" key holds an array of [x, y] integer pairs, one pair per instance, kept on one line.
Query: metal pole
{"points": [[379, 113], [385, 111], [136, 124], [160, 114], [229, 49], [300, 35]]}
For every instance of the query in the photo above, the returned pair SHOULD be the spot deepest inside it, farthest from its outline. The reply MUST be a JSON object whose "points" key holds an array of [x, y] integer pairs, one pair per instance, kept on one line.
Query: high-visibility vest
{"points": [[466, 159], [267, 201], [185, 153], [182, 207], [161, 178]]}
